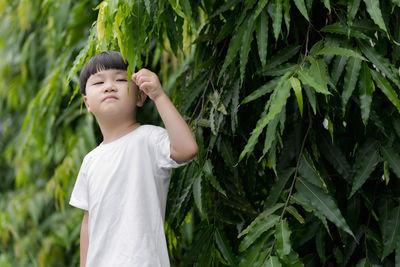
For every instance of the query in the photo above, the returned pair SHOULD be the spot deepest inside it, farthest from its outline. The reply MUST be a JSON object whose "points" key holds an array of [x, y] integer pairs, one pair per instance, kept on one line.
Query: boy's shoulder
{"points": [[146, 131]]}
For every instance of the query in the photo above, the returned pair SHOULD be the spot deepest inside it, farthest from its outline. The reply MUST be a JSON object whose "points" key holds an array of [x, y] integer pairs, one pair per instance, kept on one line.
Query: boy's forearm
{"points": [[84, 240], [183, 144]]}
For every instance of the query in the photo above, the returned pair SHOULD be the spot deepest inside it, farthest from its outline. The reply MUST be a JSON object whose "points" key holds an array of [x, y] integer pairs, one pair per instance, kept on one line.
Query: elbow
{"points": [[194, 150]]}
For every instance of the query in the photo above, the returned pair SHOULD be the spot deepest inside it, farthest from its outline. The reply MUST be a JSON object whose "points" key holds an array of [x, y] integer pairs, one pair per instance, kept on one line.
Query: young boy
{"points": [[122, 184]]}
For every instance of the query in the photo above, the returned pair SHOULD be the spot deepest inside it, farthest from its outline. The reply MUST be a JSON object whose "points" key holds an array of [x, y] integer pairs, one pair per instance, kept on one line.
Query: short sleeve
{"points": [[79, 196], [163, 150]]}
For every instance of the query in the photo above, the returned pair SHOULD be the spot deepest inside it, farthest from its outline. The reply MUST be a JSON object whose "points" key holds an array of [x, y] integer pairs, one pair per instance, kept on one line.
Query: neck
{"points": [[114, 129]]}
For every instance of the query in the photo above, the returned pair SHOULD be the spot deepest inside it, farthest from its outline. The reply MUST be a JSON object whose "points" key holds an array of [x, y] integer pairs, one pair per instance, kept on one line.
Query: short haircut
{"points": [[104, 61]]}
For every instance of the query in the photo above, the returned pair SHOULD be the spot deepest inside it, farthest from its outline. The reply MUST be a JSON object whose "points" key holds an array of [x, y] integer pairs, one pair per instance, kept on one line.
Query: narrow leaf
{"points": [[224, 247], [280, 70], [246, 45], [375, 12], [324, 203], [262, 37], [366, 88], [278, 186], [272, 261], [350, 80], [309, 172], [256, 228], [327, 5], [339, 64], [297, 90], [282, 236], [386, 88], [208, 171], [390, 155], [276, 17], [292, 210], [302, 8], [282, 56], [379, 61], [339, 51], [277, 101], [390, 226], [365, 163], [307, 77], [265, 89], [197, 193], [339, 28], [352, 8]]}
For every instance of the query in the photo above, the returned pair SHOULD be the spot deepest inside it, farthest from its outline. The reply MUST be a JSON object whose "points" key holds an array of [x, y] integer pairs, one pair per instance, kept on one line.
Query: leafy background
{"points": [[294, 104]]}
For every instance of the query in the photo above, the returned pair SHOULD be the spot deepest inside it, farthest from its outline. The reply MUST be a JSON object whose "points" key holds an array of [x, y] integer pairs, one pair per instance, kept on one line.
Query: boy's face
{"points": [[107, 94]]}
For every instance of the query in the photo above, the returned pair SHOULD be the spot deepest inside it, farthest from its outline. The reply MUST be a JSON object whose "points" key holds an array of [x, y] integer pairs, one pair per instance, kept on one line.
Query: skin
{"points": [[114, 106]]}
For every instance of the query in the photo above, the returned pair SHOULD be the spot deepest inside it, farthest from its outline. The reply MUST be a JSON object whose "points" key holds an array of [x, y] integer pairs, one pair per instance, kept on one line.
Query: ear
{"points": [[141, 97], [86, 103]]}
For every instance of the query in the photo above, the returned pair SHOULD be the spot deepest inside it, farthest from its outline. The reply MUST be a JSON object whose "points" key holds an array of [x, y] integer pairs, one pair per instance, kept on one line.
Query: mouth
{"points": [[110, 97]]}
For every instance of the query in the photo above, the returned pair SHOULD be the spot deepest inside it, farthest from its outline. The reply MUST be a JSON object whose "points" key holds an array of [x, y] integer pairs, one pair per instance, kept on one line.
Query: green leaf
{"points": [[224, 246], [256, 228], [334, 155], [311, 98], [282, 56], [282, 236], [327, 5], [339, 51], [350, 80], [386, 172], [234, 46], [306, 204], [375, 12], [352, 8], [324, 203], [310, 78], [272, 261], [246, 45], [250, 256], [309, 172], [276, 17], [208, 171], [276, 102], [280, 70], [286, 14], [390, 225], [278, 186], [197, 193], [339, 64], [265, 89], [302, 8], [366, 88], [270, 134], [386, 88], [379, 61], [295, 83], [262, 37], [292, 210], [390, 155], [339, 28], [365, 163], [235, 106], [320, 241]]}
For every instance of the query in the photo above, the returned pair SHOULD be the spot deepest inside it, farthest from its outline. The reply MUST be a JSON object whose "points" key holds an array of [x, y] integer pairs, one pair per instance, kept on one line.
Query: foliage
{"points": [[294, 105]]}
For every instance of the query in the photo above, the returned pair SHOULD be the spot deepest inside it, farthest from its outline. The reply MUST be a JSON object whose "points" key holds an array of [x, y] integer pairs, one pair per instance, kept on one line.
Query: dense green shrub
{"points": [[294, 105]]}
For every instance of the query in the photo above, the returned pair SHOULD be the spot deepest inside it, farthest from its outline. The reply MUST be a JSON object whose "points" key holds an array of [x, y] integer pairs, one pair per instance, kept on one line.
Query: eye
{"points": [[121, 80], [96, 83]]}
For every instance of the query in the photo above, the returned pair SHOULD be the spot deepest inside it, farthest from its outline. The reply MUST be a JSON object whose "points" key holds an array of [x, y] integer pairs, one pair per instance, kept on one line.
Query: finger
{"points": [[146, 87], [142, 79]]}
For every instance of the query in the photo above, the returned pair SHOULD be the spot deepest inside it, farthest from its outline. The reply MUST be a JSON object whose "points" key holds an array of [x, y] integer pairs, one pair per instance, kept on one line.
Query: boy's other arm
{"points": [[183, 144], [84, 239]]}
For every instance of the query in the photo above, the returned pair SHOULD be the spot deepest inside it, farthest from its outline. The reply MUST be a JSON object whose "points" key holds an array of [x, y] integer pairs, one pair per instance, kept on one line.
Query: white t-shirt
{"points": [[124, 186]]}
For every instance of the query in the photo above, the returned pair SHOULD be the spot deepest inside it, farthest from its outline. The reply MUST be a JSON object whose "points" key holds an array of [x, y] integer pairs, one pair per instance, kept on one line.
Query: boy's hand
{"points": [[148, 82]]}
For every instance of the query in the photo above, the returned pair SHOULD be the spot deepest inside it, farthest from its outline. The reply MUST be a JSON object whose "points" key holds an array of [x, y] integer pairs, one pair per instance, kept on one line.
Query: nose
{"points": [[110, 87]]}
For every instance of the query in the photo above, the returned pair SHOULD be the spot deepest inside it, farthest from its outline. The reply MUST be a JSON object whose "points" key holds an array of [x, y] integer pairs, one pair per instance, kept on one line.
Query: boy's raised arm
{"points": [[183, 144]]}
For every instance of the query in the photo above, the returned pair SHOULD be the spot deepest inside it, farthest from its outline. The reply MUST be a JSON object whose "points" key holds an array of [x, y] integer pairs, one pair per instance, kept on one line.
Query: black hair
{"points": [[104, 61]]}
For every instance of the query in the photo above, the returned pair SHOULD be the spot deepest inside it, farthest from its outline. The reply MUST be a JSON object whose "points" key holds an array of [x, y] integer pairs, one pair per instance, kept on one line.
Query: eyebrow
{"points": [[99, 74]]}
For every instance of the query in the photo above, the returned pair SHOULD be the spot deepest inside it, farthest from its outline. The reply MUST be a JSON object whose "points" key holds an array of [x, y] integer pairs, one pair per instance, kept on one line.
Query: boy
{"points": [[122, 184]]}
